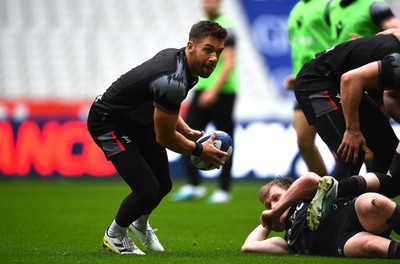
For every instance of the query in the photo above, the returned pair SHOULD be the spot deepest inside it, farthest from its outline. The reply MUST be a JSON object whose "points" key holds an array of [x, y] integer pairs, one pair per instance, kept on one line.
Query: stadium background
{"points": [[56, 56]]}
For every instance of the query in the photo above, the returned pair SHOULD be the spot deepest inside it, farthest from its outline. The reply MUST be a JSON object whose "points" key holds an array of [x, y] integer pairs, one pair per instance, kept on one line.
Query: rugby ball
{"points": [[222, 141]]}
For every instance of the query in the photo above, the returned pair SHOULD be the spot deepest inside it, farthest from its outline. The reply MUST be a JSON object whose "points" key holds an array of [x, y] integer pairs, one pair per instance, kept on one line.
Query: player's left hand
{"points": [[194, 135]]}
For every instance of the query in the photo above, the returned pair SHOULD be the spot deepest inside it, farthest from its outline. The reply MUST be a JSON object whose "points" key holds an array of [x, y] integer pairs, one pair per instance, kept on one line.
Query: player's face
{"points": [[205, 56], [274, 195], [211, 6]]}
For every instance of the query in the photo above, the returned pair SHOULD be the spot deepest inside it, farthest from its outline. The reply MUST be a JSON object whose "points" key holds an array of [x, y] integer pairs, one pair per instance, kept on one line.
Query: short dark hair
{"points": [[205, 28]]}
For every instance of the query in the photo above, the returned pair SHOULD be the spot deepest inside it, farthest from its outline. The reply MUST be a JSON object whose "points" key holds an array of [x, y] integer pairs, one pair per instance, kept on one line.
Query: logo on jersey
{"points": [[298, 208], [127, 139], [98, 98], [339, 28]]}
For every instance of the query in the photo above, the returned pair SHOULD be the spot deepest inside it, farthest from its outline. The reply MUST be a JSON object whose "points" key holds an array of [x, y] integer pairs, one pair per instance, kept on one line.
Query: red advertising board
{"points": [[49, 138]]}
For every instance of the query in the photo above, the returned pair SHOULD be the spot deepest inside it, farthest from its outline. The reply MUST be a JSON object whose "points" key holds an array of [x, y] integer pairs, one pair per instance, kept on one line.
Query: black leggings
{"points": [[377, 131], [221, 116], [145, 169]]}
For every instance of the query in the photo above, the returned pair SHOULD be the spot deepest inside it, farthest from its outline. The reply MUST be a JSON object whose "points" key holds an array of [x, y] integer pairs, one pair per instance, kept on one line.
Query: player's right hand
{"points": [[270, 221], [350, 146], [212, 154]]}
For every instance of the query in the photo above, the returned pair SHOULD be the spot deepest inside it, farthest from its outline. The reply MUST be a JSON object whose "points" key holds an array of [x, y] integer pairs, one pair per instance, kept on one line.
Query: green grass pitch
{"points": [[64, 221]]}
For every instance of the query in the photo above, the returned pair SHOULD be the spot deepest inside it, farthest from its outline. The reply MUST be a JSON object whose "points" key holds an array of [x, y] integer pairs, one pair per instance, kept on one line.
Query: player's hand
{"points": [[354, 36], [212, 154], [270, 220], [207, 98], [194, 135], [288, 82], [350, 146]]}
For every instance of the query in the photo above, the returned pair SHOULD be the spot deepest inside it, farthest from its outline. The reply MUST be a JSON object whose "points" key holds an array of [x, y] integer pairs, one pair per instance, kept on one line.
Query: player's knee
{"points": [[370, 247], [372, 202], [165, 188], [310, 180], [149, 193]]}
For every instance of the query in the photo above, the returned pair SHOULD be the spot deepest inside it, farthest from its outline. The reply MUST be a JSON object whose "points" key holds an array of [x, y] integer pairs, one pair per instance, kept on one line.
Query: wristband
{"points": [[198, 149]]}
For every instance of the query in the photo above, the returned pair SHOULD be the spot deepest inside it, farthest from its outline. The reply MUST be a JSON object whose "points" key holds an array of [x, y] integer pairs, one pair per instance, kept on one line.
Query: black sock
{"points": [[394, 250], [394, 220], [395, 166], [388, 186], [352, 186]]}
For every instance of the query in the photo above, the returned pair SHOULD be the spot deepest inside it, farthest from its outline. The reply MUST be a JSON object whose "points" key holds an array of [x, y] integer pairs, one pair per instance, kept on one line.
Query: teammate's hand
{"points": [[207, 98], [350, 146], [288, 82], [354, 36]]}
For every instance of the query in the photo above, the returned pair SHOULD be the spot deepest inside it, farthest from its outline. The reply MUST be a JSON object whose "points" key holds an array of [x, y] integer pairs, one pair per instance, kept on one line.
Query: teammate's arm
{"points": [[352, 85], [383, 16], [391, 23]]}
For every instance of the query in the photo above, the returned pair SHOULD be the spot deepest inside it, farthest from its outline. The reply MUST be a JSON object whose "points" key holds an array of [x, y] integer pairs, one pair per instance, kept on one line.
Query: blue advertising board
{"points": [[267, 21]]}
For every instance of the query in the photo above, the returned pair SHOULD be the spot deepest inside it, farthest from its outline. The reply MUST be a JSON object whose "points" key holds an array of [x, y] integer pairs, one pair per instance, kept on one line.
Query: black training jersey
{"points": [[350, 55], [298, 237], [163, 81]]}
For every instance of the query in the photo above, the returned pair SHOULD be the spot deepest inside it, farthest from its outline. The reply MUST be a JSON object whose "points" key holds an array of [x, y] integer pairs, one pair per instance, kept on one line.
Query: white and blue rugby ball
{"points": [[222, 141]]}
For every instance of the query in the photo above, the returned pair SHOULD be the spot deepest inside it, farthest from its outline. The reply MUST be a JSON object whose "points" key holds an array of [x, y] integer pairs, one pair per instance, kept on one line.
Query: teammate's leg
{"points": [[331, 128], [378, 133], [197, 118], [306, 142], [222, 117]]}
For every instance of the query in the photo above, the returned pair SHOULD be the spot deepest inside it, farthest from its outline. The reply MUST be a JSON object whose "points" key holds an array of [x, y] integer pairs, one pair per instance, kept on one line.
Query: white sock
{"points": [[116, 230], [142, 223]]}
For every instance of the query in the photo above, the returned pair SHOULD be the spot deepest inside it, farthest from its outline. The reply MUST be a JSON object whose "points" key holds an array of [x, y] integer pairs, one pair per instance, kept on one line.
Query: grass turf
{"points": [[64, 221]]}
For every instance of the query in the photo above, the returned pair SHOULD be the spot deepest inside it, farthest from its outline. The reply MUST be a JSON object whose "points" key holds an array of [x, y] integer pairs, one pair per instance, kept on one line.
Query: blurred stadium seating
{"points": [[57, 55], [73, 49]]}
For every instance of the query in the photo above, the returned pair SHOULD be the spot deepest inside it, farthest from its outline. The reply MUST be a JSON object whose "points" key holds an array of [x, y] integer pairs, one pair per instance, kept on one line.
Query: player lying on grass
{"points": [[357, 227]]}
